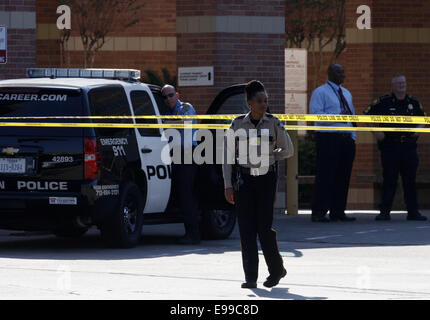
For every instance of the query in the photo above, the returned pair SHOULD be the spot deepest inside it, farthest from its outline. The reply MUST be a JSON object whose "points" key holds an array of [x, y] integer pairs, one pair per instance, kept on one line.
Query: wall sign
{"points": [[296, 66], [3, 45], [195, 76]]}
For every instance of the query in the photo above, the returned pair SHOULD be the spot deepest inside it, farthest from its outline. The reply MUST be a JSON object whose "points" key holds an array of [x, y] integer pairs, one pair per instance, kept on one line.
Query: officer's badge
{"points": [[255, 141], [410, 107]]}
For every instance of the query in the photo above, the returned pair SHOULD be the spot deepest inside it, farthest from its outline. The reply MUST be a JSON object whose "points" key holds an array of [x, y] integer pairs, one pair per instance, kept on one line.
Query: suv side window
{"points": [[110, 101], [162, 107], [142, 106]]}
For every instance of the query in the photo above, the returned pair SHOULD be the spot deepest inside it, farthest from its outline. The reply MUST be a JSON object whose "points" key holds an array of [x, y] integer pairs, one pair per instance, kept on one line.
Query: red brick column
{"points": [[399, 41], [19, 16], [230, 36], [242, 40], [358, 61]]}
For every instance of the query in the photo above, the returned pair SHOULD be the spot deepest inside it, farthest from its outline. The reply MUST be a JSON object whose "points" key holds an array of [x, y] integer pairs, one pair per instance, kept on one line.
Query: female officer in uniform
{"points": [[252, 187]]}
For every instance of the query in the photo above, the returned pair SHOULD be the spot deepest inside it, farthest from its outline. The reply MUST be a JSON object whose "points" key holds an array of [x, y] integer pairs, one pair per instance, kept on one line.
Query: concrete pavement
{"points": [[365, 259]]}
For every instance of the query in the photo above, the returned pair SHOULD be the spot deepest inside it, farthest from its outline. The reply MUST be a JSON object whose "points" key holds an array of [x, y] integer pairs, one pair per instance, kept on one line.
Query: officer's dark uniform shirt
{"points": [[389, 105]]}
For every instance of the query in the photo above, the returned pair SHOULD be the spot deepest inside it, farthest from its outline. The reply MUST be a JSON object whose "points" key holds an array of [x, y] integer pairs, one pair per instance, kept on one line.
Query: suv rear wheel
{"points": [[217, 224], [123, 228]]}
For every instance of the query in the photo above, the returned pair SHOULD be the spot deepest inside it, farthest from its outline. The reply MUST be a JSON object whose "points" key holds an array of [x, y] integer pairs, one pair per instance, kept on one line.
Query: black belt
{"points": [[255, 171], [401, 139], [341, 134]]}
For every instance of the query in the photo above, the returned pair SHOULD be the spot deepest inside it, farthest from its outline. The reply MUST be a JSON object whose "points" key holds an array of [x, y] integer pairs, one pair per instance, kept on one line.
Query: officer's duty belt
{"points": [[255, 171], [401, 139], [341, 134]]}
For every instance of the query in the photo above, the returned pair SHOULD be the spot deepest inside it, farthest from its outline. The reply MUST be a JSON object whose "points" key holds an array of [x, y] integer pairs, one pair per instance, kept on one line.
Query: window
{"points": [[142, 106], [162, 107], [110, 101], [235, 104], [41, 102]]}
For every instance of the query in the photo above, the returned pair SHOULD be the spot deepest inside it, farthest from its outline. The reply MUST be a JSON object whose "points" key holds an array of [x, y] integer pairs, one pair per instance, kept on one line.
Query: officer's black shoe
{"points": [[383, 217], [187, 240], [249, 285], [319, 219], [274, 280], [343, 218], [416, 217]]}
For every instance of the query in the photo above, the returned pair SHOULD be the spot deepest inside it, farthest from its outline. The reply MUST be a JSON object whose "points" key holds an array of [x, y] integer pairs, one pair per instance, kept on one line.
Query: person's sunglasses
{"points": [[168, 95]]}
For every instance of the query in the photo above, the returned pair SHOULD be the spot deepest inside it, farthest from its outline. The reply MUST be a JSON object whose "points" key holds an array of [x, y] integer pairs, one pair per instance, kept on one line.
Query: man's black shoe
{"points": [[274, 280], [383, 217], [186, 240], [416, 217], [343, 218], [249, 285], [319, 219]]}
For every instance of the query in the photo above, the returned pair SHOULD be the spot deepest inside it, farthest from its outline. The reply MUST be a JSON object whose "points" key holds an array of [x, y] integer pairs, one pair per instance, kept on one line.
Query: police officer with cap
{"points": [[398, 149], [184, 174], [251, 186]]}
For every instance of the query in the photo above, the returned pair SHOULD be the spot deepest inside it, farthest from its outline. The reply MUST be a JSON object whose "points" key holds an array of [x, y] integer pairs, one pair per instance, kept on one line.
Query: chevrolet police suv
{"points": [[66, 179]]}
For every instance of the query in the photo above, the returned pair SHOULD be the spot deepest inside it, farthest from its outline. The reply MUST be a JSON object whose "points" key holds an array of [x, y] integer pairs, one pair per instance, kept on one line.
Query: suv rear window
{"points": [[110, 101], [40, 102]]}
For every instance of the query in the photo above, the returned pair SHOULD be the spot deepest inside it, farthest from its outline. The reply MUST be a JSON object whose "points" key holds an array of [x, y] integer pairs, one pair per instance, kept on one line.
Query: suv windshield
{"points": [[40, 102]]}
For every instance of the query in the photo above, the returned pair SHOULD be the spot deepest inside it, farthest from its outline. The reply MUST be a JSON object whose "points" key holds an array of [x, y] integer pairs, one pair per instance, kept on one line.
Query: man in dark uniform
{"points": [[398, 149]]}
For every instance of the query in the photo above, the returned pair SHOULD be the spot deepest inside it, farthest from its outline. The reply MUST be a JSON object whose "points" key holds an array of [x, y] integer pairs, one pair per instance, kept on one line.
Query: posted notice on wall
{"points": [[296, 66], [296, 103], [195, 76], [3, 44]]}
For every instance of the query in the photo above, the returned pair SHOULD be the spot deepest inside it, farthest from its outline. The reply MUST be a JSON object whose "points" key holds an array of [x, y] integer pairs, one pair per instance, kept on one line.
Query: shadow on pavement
{"points": [[281, 293], [294, 234]]}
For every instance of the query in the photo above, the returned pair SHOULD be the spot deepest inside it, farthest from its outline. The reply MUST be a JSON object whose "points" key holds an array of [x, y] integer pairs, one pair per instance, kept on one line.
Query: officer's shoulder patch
{"points": [[414, 100], [369, 108]]}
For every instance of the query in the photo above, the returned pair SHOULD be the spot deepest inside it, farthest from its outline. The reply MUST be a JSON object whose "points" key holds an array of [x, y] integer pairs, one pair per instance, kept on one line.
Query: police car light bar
{"points": [[129, 74]]}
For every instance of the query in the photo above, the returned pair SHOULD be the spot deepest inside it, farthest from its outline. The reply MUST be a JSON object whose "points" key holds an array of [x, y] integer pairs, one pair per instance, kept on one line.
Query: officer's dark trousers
{"points": [[183, 178], [254, 203], [335, 156], [397, 157]]}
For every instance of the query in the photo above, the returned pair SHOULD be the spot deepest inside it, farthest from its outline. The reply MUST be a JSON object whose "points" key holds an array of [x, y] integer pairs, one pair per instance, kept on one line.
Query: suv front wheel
{"points": [[123, 228]]}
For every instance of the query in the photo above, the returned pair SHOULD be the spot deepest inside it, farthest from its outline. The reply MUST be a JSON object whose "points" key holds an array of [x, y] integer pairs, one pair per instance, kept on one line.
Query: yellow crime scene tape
{"points": [[283, 117], [412, 120]]}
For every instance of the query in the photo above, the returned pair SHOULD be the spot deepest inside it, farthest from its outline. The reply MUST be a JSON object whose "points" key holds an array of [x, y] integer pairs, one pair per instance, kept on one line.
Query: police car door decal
{"points": [[150, 145]]}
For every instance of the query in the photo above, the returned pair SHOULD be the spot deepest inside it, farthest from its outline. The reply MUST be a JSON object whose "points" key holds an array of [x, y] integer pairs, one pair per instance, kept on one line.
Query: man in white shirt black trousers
{"points": [[335, 149]]}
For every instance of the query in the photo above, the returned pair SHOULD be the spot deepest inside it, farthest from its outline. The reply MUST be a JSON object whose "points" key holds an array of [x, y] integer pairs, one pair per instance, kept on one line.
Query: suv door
{"points": [[231, 100], [150, 145]]}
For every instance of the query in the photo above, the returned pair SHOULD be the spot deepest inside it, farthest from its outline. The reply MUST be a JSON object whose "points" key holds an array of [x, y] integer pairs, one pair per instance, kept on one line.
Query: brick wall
{"points": [[398, 42], [157, 20], [17, 15]]}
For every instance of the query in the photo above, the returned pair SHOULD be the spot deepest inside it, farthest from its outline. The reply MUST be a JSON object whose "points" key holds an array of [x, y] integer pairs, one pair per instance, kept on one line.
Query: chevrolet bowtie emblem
{"points": [[10, 151]]}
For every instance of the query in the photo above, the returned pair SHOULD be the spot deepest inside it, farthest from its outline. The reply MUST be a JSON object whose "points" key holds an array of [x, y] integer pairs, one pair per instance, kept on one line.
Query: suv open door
{"points": [[218, 216]]}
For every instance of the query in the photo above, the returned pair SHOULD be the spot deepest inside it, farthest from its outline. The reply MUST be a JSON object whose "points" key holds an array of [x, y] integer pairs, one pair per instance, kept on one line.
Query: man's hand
{"points": [[229, 195]]}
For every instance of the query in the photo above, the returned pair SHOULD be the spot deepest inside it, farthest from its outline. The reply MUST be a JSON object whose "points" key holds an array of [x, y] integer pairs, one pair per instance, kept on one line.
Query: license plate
{"points": [[12, 165]]}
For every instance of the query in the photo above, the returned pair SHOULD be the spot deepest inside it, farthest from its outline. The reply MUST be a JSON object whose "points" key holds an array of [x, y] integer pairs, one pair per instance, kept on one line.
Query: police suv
{"points": [[67, 179]]}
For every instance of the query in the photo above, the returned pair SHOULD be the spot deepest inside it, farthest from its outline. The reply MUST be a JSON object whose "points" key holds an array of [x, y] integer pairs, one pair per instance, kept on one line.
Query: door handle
{"points": [[146, 150]]}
